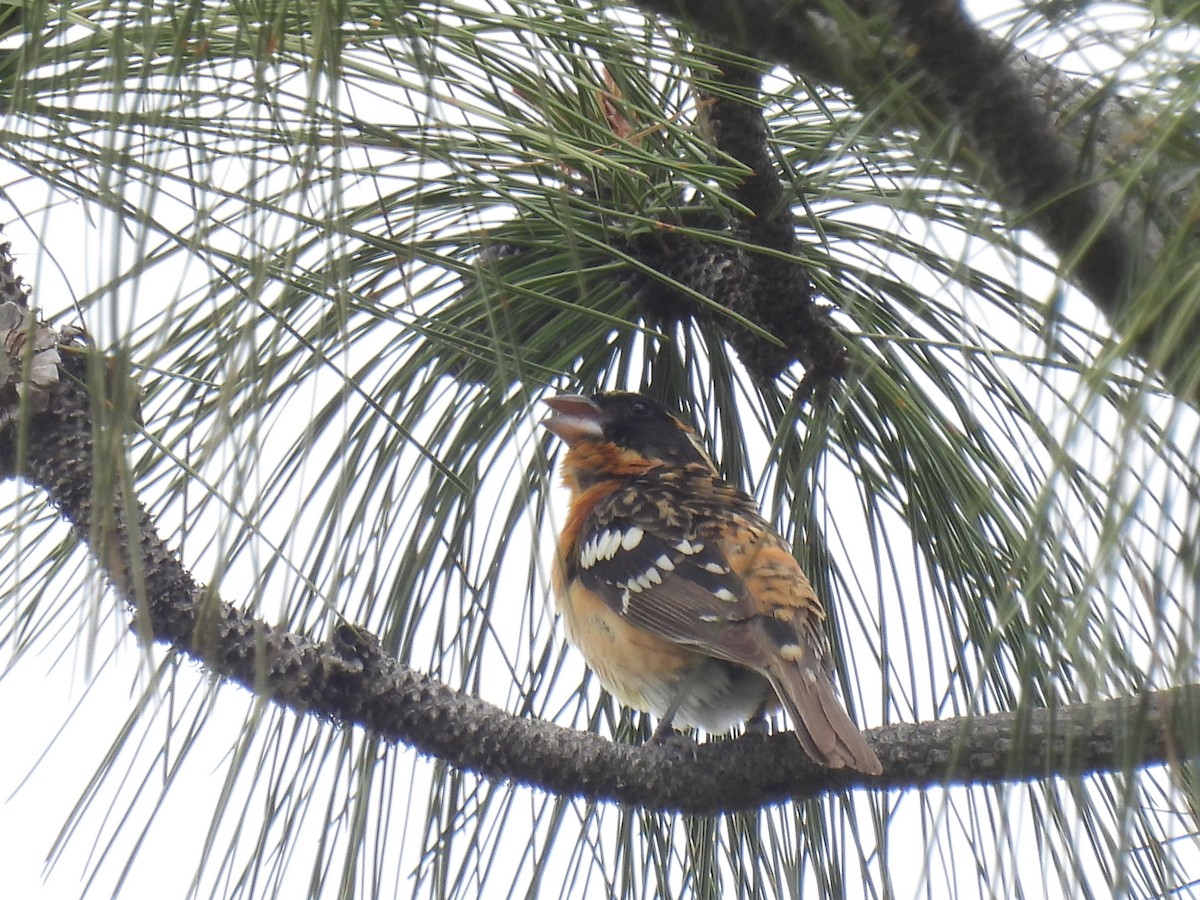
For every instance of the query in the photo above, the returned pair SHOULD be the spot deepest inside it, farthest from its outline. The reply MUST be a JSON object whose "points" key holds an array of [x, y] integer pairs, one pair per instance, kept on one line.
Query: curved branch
{"points": [[1047, 142], [775, 292], [350, 680]]}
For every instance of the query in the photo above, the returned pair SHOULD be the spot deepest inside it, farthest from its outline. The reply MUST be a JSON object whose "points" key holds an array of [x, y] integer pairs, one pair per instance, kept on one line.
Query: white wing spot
{"points": [[602, 546], [631, 538], [687, 548], [715, 568], [649, 577], [612, 543], [793, 652], [725, 594], [664, 563]]}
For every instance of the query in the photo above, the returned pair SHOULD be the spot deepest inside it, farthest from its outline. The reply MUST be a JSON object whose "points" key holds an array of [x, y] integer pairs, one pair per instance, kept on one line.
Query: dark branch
{"points": [[350, 681], [705, 259], [1036, 171], [1042, 143], [773, 290]]}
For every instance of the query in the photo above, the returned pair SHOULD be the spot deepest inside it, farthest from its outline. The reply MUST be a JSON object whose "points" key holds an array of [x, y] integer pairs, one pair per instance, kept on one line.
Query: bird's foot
{"points": [[670, 739], [758, 726]]}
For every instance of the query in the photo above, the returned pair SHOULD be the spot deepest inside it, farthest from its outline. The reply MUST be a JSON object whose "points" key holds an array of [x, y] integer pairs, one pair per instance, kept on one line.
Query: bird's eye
{"points": [[640, 408]]}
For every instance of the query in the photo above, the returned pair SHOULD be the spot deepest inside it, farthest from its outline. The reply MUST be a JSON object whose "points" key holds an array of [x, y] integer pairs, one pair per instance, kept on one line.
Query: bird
{"points": [[682, 598]]}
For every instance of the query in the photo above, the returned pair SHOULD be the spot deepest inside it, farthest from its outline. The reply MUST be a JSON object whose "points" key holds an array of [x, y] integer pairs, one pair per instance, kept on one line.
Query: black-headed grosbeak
{"points": [[683, 599]]}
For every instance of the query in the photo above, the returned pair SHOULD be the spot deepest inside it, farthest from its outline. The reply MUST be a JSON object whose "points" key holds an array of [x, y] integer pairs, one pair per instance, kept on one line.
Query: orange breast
{"points": [[640, 669], [649, 673]]}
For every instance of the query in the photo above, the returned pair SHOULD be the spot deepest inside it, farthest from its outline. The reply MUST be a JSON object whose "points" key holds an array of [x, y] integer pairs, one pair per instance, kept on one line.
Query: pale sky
{"points": [[47, 765]]}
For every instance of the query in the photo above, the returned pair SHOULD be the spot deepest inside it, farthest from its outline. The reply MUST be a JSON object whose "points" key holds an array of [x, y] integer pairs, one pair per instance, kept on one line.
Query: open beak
{"points": [[575, 418]]}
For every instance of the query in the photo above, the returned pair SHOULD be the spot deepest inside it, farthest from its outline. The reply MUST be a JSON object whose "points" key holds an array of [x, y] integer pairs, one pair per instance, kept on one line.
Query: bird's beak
{"points": [[575, 418]]}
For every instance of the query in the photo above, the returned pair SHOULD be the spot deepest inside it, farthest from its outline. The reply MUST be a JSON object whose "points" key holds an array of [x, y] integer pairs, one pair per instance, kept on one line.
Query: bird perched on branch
{"points": [[683, 599]]}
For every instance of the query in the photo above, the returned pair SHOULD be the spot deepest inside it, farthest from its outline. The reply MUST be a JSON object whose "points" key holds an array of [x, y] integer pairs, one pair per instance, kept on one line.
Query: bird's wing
{"points": [[693, 562]]}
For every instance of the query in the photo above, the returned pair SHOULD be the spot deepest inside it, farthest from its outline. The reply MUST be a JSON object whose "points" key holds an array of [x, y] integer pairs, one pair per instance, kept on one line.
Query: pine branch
{"points": [[350, 681], [774, 292], [682, 274], [1043, 143]]}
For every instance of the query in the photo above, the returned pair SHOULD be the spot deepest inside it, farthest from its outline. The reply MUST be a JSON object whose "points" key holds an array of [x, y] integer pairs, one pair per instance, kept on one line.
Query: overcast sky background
{"points": [[46, 764]]}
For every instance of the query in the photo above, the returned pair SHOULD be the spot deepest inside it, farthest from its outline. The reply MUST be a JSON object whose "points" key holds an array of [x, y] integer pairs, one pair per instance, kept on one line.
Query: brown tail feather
{"points": [[826, 731]]}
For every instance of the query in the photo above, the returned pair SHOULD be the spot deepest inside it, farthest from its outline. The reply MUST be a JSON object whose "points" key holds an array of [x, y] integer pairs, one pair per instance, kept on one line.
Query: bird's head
{"points": [[624, 431]]}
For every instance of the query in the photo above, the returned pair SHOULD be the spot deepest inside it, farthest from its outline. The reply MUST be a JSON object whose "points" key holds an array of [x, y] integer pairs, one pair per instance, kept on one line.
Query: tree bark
{"points": [[1045, 145], [350, 681]]}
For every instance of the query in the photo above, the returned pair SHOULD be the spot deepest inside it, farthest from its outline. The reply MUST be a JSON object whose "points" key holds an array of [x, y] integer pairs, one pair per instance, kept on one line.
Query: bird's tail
{"points": [[826, 731]]}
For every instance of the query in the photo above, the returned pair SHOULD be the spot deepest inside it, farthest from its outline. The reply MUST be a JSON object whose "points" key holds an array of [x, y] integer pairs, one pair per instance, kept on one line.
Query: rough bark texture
{"points": [[771, 291], [350, 681], [1042, 143]]}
